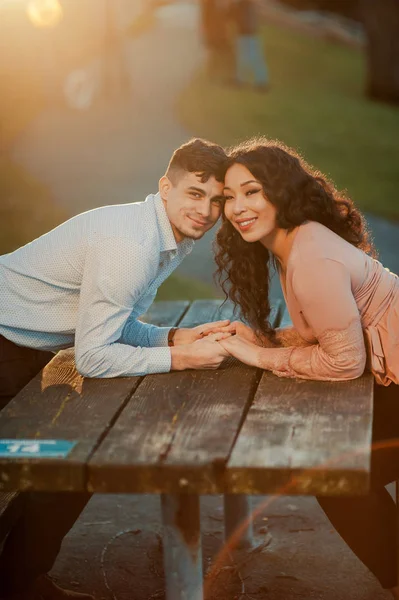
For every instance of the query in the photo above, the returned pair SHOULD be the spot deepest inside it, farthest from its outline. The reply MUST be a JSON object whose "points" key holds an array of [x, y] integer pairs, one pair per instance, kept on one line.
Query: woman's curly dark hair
{"points": [[299, 193]]}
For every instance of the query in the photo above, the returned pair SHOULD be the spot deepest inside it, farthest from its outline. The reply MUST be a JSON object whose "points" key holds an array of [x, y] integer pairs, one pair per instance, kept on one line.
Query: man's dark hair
{"points": [[198, 156]]}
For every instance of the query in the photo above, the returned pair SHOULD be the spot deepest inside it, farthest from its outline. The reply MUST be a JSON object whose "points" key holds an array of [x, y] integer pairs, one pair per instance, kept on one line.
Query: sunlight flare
{"points": [[44, 13]]}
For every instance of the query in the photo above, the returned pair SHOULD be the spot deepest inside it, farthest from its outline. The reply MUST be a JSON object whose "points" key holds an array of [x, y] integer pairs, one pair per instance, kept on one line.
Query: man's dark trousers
{"points": [[33, 543]]}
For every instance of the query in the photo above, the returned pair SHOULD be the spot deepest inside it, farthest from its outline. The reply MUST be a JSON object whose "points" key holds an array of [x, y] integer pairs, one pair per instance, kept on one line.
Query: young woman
{"points": [[344, 306]]}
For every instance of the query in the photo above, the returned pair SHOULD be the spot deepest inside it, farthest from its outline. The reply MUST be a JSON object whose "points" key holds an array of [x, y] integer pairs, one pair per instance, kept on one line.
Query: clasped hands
{"points": [[225, 338]]}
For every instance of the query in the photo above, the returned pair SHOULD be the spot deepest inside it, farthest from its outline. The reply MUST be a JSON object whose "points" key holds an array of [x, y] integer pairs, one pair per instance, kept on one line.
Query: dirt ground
{"points": [[115, 552]]}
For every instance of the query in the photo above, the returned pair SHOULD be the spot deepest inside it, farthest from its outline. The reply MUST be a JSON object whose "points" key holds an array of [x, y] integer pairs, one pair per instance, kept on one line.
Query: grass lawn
{"points": [[177, 287], [26, 209], [315, 104]]}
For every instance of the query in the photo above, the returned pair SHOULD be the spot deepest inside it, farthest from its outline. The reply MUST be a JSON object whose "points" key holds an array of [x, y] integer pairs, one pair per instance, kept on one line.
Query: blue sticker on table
{"points": [[35, 448]]}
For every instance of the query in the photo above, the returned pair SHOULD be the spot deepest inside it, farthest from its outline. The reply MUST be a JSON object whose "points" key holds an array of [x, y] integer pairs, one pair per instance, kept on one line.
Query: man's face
{"points": [[192, 207]]}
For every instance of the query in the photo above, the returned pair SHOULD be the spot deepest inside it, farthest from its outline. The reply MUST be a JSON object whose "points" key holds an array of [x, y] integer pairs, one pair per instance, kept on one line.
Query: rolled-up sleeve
{"points": [[115, 274], [323, 291], [137, 333]]}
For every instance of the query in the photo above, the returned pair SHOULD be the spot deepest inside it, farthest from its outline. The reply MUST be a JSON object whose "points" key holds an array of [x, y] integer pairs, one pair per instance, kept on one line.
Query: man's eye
{"points": [[195, 194], [218, 201]]}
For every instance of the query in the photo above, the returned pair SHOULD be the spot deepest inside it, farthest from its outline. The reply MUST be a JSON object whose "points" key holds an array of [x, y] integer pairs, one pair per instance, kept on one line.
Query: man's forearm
{"points": [[121, 360], [137, 333]]}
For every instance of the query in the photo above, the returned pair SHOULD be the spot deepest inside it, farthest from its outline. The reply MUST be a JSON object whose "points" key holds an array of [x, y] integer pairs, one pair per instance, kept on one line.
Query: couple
{"points": [[86, 283]]}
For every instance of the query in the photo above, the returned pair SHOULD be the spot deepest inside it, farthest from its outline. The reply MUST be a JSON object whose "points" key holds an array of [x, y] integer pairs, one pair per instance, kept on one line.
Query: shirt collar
{"points": [[167, 239]]}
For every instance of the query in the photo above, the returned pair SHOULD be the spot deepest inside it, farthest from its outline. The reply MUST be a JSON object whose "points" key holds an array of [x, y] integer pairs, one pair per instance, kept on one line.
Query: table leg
{"points": [[238, 520], [182, 546]]}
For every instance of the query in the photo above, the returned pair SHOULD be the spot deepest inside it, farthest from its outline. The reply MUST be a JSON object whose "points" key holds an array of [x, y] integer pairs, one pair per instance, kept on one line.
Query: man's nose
{"points": [[204, 208]]}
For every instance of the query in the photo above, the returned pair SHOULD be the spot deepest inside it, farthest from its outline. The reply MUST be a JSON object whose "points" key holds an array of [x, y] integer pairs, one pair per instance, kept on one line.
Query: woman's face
{"points": [[246, 206]]}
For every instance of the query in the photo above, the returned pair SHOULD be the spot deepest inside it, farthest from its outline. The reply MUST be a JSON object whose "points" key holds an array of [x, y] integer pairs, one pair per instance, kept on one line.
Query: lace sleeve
{"points": [[288, 336], [322, 288], [339, 354]]}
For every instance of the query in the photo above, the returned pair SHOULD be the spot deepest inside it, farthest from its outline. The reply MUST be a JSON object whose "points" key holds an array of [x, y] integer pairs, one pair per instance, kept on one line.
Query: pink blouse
{"points": [[345, 307]]}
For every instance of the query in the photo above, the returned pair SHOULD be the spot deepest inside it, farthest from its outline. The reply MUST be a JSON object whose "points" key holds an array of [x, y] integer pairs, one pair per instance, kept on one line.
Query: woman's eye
{"points": [[250, 192], [225, 198]]}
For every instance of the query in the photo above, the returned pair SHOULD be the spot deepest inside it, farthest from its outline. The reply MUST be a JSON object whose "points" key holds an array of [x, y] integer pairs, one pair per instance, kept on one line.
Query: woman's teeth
{"points": [[246, 223]]}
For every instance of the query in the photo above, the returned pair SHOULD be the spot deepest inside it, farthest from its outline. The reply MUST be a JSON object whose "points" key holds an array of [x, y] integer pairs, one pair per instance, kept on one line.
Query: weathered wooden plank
{"points": [[203, 311], [305, 437], [166, 312], [10, 508], [176, 432], [60, 404]]}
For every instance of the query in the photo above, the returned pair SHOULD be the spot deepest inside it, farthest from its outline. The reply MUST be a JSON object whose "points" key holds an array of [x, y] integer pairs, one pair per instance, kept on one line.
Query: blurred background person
{"points": [[114, 64], [217, 38], [250, 60]]}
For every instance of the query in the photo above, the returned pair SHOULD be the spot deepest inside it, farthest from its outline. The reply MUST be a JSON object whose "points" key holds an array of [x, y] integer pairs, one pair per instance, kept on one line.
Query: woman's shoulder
{"points": [[315, 242]]}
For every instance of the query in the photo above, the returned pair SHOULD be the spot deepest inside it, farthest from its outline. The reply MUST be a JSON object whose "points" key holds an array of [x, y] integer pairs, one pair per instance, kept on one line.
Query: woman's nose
{"points": [[238, 207]]}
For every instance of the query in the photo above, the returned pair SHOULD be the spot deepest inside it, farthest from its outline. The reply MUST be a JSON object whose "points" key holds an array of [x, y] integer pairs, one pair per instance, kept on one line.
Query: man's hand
{"points": [[191, 335], [205, 353]]}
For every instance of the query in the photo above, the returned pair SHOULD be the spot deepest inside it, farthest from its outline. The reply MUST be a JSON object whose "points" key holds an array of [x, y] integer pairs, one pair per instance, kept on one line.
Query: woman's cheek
{"points": [[227, 212]]}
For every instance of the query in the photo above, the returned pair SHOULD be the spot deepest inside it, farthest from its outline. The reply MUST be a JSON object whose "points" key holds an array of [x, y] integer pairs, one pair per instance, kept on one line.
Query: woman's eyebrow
{"points": [[249, 181], [226, 187]]}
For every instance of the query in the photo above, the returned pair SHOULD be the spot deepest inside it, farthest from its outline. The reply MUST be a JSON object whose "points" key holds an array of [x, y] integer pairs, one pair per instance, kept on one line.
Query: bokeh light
{"points": [[44, 13]]}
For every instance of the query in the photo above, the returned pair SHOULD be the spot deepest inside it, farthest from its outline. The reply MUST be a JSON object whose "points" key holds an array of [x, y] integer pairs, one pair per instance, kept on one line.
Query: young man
{"points": [[85, 284]]}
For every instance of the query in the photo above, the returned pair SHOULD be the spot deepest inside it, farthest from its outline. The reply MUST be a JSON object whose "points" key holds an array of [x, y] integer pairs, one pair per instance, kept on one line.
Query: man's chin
{"points": [[193, 233]]}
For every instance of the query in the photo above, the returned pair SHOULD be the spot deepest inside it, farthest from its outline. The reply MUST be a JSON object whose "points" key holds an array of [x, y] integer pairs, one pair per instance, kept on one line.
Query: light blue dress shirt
{"points": [[86, 282]]}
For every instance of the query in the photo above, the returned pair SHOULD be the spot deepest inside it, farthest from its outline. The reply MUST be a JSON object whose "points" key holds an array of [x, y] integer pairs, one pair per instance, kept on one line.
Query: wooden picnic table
{"points": [[236, 431]]}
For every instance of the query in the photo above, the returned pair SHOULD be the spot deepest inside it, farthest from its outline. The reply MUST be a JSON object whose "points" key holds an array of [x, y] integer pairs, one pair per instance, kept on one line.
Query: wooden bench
{"points": [[236, 431]]}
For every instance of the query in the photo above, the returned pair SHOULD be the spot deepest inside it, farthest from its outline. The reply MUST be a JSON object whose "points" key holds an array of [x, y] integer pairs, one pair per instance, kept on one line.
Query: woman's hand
{"points": [[187, 335], [242, 349], [238, 328]]}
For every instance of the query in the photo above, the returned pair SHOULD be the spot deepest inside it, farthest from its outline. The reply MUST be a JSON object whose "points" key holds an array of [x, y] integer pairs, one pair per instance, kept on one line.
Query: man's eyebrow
{"points": [[196, 189]]}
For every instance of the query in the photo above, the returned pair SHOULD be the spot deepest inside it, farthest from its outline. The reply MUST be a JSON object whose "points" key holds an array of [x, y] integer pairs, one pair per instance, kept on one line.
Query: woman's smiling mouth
{"points": [[245, 224]]}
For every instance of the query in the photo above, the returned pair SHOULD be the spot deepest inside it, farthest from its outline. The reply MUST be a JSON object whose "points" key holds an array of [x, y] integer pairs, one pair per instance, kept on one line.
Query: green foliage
{"points": [[26, 210], [316, 105], [183, 288]]}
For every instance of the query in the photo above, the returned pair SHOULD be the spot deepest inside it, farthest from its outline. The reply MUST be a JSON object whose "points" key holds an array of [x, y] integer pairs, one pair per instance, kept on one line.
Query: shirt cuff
{"points": [[159, 336], [158, 360]]}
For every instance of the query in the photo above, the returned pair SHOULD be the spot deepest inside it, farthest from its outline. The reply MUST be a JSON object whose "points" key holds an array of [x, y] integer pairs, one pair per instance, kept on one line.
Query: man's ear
{"points": [[165, 185]]}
